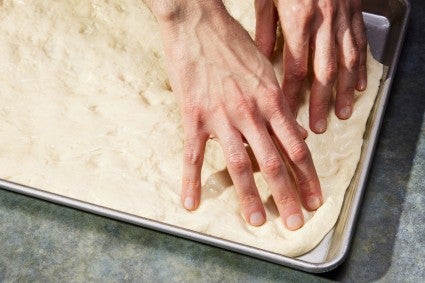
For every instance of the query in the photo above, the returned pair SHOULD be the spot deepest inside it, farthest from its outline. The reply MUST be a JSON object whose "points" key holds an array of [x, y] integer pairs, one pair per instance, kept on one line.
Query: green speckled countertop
{"points": [[40, 241]]}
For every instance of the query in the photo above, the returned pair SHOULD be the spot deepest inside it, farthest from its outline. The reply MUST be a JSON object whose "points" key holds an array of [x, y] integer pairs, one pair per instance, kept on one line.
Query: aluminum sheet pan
{"points": [[386, 22]]}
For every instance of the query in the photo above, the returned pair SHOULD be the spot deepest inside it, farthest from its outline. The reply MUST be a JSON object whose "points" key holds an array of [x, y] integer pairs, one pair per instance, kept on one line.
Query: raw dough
{"points": [[86, 112]]}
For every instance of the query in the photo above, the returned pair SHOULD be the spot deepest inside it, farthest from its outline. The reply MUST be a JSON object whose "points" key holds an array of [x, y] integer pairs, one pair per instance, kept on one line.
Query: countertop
{"points": [[41, 241]]}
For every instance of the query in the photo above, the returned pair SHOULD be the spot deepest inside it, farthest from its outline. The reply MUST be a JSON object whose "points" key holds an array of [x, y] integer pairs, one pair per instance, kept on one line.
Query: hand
{"points": [[228, 90], [334, 30]]}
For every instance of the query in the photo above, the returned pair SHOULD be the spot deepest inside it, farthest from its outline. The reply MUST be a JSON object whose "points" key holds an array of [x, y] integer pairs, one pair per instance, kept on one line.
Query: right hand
{"points": [[227, 90], [334, 30]]}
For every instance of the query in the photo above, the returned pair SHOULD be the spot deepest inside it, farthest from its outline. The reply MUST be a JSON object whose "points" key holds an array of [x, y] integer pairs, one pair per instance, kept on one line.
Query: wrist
{"points": [[174, 11]]}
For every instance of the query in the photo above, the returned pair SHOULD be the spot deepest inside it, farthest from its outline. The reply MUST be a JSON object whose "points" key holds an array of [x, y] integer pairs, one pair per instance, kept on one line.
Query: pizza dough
{"points": [[86, 112]]}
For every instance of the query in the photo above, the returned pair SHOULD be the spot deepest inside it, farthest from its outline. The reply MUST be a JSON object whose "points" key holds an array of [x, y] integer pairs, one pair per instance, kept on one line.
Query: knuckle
{"points": [[298, 71], [352, 59], [190, 185], [272, 166], [273, 91], [348, 93], [361, 42], [260, 41], [362, 68], [192, 109], [271, 99], [287, 201], [279, 119], [248, 199], [192, 153], [329, 74], [342, 27], [306, 10], [276, 117], [238, 163], [265, 44], [245, 108], [304, 182], [328, 8], [298, 152], [322, 107]]}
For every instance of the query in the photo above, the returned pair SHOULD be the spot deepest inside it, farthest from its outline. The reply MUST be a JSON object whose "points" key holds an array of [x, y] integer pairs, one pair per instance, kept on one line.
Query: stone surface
{"points": [[40, 241]]}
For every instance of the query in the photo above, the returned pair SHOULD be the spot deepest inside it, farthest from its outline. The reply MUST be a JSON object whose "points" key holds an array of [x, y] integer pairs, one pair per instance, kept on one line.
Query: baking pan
{"points": [[386, 22]]}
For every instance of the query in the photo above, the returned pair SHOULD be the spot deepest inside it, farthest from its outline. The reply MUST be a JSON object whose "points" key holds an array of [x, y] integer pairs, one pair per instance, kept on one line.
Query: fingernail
{"points": [[313, 203], [189, 203], [320, 126], [345, 112], [302, 131], [294, 222], [256, 218], [361, 85]]}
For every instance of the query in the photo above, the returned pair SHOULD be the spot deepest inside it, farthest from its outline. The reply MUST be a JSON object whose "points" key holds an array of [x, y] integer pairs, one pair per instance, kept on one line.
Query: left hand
{"points": [[227, 90], [334, 31]]}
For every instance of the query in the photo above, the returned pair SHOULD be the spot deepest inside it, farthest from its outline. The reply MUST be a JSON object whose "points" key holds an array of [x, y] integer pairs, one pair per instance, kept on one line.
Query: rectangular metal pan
{"points": [[386, 22]]}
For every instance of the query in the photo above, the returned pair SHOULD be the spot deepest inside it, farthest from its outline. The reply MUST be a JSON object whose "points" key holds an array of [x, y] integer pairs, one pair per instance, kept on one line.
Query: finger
{"points": [[240, 170], [265, 26], [299, 158], [194, 149], [348, 63], [276, 175], [296, 28], [360, 37], [303, 132], [325, 68]]}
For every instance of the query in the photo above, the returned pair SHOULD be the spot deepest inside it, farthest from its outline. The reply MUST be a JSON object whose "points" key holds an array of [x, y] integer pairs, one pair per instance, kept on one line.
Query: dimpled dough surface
{"points": [[86, 112]]}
